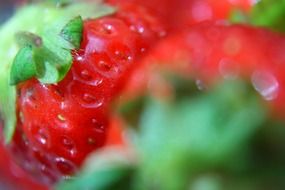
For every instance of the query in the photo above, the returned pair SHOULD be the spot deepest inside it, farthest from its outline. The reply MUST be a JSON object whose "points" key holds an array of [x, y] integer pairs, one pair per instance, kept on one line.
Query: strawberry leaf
{"points": [[108, 169], [23, 67], [195, 133], [72, 32]]}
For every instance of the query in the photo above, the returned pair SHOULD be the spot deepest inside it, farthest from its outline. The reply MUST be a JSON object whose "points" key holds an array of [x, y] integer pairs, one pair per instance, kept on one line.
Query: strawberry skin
{"points": [[60, 124], [11, 173]]}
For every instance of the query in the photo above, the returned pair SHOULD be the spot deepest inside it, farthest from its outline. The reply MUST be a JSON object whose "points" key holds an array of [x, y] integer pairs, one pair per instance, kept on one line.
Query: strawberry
{"points": [[11, 173], [178, 14], [211, 51], [59, 124]]}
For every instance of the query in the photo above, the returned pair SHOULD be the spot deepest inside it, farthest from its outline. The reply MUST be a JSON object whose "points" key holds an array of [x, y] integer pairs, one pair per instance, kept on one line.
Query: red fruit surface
{"points": [[60, 124], [211, 51], [178, 14], [12, 177]]}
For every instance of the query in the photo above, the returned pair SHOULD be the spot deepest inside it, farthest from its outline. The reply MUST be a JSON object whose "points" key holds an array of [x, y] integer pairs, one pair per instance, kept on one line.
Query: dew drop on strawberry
{"points": [[41, 135], [65, 166], [228, 68], [200, 84], [69, 145], [266, 84], [85, 75], [97, 126], [90, 101]]}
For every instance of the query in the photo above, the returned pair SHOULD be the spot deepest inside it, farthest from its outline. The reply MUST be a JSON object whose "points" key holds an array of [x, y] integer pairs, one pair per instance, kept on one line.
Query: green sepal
{"points": [[62, 2], [72, 32], [52, 66], [28, 39], [195, 133], [23, 67]]}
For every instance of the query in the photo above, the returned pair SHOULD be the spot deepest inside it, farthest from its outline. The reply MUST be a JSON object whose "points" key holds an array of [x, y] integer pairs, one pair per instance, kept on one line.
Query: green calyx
{"points": [[44, 59], [42, 51], [23, 67]]}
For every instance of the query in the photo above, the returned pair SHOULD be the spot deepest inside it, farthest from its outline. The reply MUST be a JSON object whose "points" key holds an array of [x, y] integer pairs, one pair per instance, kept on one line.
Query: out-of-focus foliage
{"points": [[269, 13], [266, 13]]}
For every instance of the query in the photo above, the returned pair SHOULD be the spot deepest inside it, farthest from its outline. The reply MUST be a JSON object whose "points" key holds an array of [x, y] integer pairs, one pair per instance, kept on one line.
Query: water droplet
{"points": [[97, 126], [63, 105], [140, 29], [266, 84], [42, 137], [29, 96], [69, 145], [200, 84], [78, 55], [91, 101], [79, 58], [143, 50], [123, 55], [89, 98], [105, 66], [86, 78], [106, 29], [94, 120], [228, 68], [84, 74], [64, 166], [253, 2]]}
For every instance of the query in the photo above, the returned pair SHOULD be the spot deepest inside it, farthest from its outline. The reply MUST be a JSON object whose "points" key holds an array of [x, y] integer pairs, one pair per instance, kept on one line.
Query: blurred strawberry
{"points": [[210, 51], [11, 175], [179, 14]]}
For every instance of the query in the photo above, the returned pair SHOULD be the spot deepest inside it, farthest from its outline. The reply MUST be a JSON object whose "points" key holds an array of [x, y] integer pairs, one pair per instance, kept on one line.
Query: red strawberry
{"points": [[13, 177], [179, 14], [60, 124], [210, 51]]}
